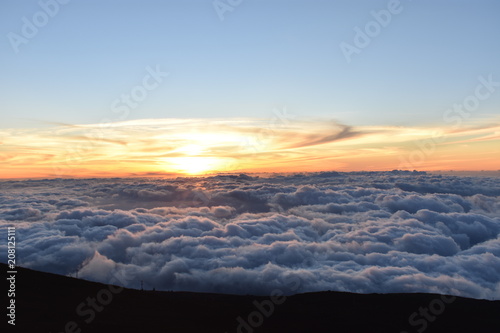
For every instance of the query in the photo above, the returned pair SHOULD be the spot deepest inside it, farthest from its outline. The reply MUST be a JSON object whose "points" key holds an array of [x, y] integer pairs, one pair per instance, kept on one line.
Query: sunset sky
{"points": [[165, 88], [227, 146]]}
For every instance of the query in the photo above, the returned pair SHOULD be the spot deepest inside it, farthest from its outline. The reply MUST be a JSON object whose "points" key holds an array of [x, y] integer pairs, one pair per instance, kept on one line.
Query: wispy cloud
{"points": [[177, 146]]}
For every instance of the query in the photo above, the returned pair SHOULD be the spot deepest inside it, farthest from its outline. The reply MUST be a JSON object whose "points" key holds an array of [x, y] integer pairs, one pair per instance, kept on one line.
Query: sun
{"points": [[195, 165], [195, 159], [202, 153]]}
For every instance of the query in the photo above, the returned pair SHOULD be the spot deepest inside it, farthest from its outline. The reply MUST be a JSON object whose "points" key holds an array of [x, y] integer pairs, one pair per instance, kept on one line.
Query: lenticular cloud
{"points": [[361, 232]]}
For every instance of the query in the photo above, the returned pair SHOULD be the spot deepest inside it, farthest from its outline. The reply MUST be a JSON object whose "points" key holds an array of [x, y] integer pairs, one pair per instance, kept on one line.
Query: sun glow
{"points": [[191, 160], [197, 156], [195, 165], [199, 148]]}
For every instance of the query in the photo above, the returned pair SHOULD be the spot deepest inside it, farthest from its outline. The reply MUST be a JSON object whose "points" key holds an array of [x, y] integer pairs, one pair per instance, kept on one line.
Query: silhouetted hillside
{"points": [[52, 303]]}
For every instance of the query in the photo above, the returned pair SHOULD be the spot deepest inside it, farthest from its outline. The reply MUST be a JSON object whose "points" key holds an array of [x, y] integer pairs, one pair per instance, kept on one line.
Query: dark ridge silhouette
{"points": [[49, 303]]}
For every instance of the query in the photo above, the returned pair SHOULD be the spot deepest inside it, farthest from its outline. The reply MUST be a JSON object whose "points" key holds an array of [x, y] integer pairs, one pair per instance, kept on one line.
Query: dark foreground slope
{"points": [[52, 303]]}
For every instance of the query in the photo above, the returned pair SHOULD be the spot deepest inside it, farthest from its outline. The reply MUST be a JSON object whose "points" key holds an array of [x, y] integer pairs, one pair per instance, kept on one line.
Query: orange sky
{"points": [[198, 146]]}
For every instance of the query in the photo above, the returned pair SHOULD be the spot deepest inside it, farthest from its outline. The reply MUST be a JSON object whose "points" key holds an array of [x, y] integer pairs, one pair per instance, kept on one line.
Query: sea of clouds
{"points": [[362, 232]]}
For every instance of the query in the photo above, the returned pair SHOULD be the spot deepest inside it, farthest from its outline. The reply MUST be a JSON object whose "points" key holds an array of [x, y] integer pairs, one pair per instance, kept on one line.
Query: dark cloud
{"points": [[362, 231], [21, 214], [336, 133]]}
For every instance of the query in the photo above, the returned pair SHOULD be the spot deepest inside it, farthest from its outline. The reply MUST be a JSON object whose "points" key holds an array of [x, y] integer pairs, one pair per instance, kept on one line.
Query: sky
{"points": [[124, 88], [142, 92]]}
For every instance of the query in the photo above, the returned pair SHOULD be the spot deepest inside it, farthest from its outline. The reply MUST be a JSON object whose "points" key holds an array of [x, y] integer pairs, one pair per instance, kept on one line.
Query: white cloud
{"points": [[360, 232]]}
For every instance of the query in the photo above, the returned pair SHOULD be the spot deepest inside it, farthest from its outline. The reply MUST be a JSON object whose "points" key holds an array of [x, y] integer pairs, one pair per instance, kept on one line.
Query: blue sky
{"points": [[263, 55]]}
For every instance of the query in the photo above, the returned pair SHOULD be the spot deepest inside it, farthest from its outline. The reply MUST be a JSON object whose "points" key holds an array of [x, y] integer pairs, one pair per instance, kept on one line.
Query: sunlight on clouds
{"points": [[193, 165], [368, 232], [201, 146]]}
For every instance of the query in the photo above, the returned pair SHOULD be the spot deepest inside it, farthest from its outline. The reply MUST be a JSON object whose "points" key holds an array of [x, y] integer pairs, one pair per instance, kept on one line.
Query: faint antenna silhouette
{"points": [[82, 265]]}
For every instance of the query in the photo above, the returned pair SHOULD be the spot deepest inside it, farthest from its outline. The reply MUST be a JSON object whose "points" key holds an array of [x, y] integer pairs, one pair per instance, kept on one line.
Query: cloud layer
{"points": [[360, 232]]}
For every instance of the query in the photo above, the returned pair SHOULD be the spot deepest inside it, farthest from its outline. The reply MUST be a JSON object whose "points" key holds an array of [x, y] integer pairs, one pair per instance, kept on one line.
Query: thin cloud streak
{"points": [[232, 145]]}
